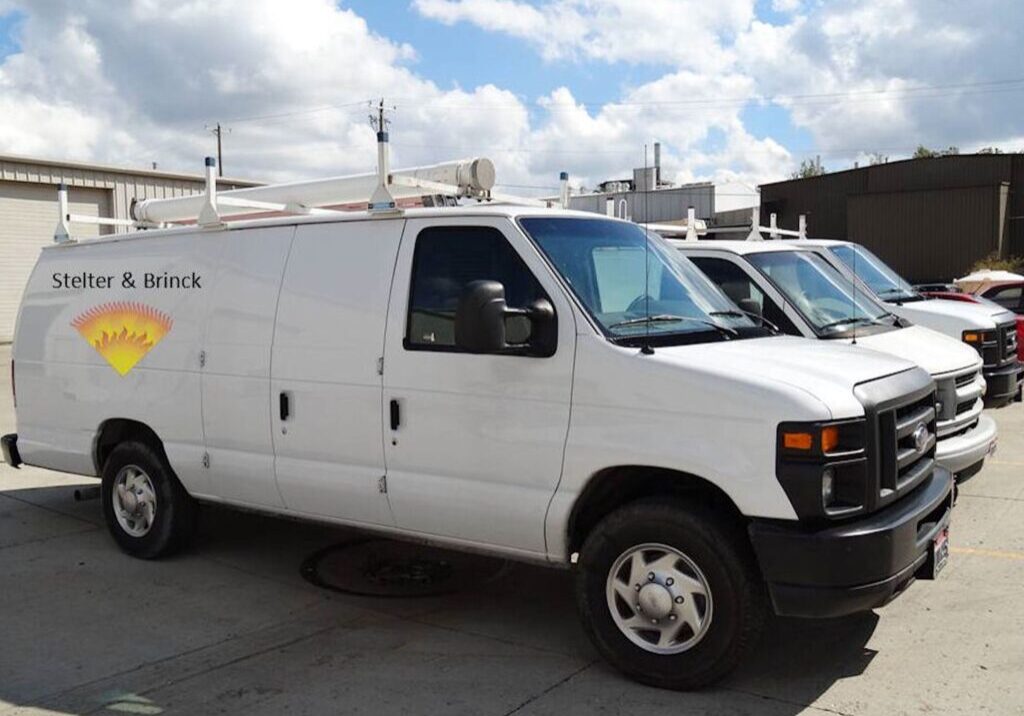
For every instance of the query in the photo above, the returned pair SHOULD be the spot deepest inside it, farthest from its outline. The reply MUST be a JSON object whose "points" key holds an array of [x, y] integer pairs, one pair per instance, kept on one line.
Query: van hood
{"points": [[825, 370], [933, 351], [972, 315]]}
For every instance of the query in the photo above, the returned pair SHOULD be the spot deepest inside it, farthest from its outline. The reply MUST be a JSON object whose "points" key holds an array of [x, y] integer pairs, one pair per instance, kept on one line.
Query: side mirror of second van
{"points": [[480, 322]]}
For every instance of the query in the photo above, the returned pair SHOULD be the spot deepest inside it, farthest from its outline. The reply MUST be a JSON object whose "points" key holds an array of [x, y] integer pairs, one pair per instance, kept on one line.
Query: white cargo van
{"points": [[801, 293], [538, 384], [990, 330]]}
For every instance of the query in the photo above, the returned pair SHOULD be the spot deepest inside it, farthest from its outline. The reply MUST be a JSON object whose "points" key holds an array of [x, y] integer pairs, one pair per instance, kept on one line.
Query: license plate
{"points": [[940, 551]]}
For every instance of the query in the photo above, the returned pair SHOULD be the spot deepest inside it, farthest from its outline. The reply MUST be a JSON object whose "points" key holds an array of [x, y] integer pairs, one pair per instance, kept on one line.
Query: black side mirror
{"points": [[749, 305], [480, 321], [480, 317]]}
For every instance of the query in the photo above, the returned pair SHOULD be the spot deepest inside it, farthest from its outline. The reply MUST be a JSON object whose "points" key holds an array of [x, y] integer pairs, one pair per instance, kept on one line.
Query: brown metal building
{"points": [[930, 219]]}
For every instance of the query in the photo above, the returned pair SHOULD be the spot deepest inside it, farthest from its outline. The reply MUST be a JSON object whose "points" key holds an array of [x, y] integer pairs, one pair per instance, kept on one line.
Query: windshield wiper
{"points": [[859, 319], [672, 318], [740, 313]]}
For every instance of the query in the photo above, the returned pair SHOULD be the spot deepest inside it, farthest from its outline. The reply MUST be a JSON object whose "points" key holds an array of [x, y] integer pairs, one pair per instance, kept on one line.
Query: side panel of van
{"points": [[325, 388], [67, 389], [236, 375], [476, 453]]}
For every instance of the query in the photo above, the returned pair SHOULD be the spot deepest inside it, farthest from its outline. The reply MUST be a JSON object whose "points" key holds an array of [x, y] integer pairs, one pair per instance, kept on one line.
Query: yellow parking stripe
{"points": [[988, 553]]}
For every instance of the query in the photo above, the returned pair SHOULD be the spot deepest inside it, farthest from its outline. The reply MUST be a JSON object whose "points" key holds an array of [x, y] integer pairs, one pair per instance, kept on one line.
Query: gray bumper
{"points": [[958, 453]]}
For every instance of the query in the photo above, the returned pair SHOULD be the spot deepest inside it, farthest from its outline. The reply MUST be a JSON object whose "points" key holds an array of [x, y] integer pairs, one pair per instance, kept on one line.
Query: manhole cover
{"points": [[387, 568]]}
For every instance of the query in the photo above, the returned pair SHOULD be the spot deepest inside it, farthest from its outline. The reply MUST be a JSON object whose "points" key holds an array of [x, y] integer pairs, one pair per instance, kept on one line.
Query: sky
{"points": [[738, 92]]}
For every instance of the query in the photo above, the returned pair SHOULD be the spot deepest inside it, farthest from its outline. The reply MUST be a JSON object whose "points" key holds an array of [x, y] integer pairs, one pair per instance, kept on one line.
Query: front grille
{"points": [[908, 437], [901, 433], [965, 379], [1008, 341], [959, 402]]}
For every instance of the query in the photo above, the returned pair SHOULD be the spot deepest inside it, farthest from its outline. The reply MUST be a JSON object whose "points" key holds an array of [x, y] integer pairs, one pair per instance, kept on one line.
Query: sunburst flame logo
{"points": [[123, 332]]}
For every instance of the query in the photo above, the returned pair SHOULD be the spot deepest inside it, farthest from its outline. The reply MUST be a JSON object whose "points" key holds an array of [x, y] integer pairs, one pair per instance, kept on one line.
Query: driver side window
{"points": [[739, 287], [445, 260]]}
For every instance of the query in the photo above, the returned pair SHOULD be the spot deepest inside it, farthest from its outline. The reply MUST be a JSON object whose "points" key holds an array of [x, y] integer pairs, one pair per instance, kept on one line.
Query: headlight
{"points": [[823, 467]]}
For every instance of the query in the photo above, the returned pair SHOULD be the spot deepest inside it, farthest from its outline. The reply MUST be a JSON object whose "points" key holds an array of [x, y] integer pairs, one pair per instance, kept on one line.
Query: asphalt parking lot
{"points": [[231, 626]]}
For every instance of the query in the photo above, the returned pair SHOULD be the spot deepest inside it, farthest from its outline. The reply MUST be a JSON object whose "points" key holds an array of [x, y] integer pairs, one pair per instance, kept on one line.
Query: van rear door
{"points": [[236, 364], [325, 387]]}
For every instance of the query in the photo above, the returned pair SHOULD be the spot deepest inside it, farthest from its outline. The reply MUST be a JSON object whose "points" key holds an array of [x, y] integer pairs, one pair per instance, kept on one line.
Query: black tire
{"points": [[176, 511], [718, 547]]}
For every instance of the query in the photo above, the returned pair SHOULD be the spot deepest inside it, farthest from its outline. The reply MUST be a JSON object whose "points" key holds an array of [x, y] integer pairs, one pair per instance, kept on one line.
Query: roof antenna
{"points": [[854, 342], [646, 348]]}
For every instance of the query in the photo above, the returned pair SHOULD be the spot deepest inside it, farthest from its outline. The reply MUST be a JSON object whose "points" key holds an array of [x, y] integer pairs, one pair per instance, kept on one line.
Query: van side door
{"points": [[326, 387], [474, 442], [235, 364]]}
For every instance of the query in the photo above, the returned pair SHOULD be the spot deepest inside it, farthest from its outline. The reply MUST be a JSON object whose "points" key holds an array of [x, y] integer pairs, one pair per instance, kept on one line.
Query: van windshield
{"points": [[634, 284], [886, 283], [825, 297]]}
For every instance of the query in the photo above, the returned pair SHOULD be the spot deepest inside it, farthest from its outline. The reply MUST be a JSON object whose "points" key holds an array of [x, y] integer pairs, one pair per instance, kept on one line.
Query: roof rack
{"points": [[462, 179]]}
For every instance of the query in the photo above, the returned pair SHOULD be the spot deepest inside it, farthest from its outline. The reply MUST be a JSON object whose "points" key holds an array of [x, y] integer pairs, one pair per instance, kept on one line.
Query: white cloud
{"points": [[135, 82], [683, 33]]}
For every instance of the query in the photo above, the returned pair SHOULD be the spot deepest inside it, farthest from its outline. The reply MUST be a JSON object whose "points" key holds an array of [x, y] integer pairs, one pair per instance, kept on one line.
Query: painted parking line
{"points": [[1000, 554]]}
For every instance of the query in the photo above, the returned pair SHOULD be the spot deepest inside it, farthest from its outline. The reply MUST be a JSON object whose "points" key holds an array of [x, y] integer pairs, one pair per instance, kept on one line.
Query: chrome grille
{"points": [[959, 402]]}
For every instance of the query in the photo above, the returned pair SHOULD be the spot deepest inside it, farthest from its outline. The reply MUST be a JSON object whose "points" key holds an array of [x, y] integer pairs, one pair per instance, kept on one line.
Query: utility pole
{"points": [[218, 131]]}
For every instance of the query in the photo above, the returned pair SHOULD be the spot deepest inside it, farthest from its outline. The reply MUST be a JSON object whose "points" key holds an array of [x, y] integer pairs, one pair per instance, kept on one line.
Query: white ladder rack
{"points": [[465, 179]]}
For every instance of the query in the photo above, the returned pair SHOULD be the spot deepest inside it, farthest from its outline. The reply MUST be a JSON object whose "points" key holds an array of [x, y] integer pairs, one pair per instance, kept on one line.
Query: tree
{"points": [[877, 158], [808, 168], [923, 152], [990, 150]]}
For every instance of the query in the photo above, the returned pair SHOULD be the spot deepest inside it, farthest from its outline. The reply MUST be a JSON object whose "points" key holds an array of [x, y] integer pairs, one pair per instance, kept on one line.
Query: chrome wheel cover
{"points": [[659, 598], [134, 500]]}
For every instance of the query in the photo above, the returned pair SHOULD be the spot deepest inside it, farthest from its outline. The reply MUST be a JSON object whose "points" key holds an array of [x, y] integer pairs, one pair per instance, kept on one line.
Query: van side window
{"points": [[445, 260], [738, 286]]}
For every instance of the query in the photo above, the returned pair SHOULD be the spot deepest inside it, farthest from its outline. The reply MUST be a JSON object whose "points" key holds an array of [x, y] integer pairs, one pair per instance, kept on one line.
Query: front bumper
{"points": [[967, 450], [1004, 384], [9, 447], [857, 565]]}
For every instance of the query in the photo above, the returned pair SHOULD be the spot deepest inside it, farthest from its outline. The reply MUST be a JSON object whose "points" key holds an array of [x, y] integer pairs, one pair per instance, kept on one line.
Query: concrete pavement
{"points": [[231, 627]]}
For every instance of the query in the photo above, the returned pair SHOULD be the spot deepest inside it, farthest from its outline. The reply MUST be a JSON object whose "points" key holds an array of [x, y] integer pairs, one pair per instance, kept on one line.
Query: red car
{"points": [[1008, 294]]}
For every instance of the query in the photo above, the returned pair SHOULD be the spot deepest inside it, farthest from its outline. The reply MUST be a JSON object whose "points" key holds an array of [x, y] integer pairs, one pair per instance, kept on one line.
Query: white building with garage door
{"points": [[29, 213]]}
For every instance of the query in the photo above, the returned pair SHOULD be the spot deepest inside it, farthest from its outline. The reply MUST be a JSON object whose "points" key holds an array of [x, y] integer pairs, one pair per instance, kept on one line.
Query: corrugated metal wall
{"points": [[932, 218], [654, 206]]}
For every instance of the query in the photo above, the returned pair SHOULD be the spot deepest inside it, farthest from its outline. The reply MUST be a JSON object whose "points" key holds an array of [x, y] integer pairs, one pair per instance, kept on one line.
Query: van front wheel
{"points": [[147, 510], [668, 595]]}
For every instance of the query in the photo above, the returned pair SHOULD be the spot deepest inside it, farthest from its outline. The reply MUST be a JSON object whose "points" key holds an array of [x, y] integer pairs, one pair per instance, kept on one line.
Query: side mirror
{"points": [[480, 322], [749, 305], [480, 317]]}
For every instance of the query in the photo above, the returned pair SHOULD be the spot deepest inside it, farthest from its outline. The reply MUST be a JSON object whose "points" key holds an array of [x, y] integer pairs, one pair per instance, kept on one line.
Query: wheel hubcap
{"points": [[134, 500], [659, 598]]}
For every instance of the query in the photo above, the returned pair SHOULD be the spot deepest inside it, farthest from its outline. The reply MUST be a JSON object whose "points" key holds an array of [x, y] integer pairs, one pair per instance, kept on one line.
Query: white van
{"points": [[538, 384], [990, 329], [802, 294]]}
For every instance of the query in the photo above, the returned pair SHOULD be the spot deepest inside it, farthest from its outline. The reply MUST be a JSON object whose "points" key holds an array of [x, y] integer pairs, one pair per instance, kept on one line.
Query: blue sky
{"points": [[537, 85]]}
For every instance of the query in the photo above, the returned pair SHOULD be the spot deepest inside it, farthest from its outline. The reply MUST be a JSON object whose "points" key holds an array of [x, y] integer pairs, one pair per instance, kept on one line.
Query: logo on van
{"points": [[123, 332]]}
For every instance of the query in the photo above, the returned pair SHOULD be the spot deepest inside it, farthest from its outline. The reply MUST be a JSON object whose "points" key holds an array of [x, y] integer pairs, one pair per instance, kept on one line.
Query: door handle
{"points": [[396, 414], [284, 405]]}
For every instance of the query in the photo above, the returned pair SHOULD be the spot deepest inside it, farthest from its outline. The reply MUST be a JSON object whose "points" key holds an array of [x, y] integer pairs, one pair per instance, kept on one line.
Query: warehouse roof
{"points": [[110, 169]]}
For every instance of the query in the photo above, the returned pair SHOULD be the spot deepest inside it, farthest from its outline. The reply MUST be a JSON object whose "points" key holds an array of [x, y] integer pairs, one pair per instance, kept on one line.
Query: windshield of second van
{"points": [[825, 297], [886, 283], [634, 284]]}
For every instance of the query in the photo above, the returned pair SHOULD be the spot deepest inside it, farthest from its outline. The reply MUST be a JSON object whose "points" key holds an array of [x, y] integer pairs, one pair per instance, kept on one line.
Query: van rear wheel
{"points": [[147, 510], [669, 595]]}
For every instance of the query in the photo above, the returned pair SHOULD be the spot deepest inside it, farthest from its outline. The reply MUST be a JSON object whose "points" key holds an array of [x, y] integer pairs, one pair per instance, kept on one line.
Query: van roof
{"points": [[511, 211], [744, 247]]}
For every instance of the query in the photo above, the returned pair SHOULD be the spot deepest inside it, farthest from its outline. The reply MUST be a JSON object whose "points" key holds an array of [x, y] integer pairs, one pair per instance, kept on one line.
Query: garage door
{"points": [[28, 215]]}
